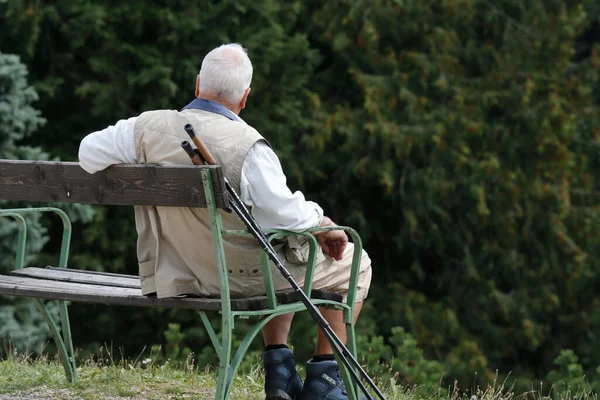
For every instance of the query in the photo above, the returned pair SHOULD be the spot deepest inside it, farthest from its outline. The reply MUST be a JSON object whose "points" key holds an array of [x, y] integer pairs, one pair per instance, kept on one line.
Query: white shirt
{"points": [[263, 184]]}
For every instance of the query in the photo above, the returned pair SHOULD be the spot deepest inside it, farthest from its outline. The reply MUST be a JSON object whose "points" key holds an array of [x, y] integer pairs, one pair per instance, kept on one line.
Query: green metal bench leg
{"points": [[67, 338], [241, 351], [227, 316], [228, 367], [211, 333], [65, 352], [225, 355], [351, 387], [223, 349]]}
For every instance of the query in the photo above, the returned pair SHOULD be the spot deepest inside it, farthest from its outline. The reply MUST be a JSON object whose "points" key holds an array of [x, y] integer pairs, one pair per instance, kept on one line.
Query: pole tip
{"points": [[188, 148], [190, 130]]}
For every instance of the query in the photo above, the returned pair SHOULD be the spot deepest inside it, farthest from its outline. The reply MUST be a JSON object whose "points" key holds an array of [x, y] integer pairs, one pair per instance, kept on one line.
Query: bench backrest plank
{"points": [[135, 184]]}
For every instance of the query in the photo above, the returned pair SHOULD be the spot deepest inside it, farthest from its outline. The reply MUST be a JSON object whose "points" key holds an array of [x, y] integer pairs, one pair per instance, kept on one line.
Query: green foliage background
{"points": [[21, 323], [460, 137]]}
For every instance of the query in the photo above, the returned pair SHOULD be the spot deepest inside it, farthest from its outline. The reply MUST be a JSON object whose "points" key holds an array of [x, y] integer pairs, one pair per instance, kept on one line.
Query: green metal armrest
{"points": [[356, 258], [310, 266], [17, 214], [64, 342]]}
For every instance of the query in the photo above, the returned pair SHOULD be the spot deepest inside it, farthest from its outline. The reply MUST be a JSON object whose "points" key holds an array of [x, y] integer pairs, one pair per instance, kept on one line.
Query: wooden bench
{"points": [[150, 185]]}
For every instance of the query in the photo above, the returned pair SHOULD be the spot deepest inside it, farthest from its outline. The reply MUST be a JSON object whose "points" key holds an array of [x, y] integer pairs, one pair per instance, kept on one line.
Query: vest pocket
{"points": [[297, 250], [255, 270], [147, 268]]}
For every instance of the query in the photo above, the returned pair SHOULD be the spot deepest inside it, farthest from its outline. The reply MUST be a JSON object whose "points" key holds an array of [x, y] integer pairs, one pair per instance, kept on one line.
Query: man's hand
{"points": [[333, 242]]}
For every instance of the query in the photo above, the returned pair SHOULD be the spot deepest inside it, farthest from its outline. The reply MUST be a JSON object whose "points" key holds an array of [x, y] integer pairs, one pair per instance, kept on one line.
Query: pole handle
{"points": [[192, 153], [197, 159], [204, 152]]}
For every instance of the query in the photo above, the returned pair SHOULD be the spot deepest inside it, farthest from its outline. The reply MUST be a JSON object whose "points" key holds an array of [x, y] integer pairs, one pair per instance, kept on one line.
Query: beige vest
{"points": [[175, 246]]}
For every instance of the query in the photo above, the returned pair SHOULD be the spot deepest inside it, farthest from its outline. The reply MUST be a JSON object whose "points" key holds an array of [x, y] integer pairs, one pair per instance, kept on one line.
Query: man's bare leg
{"points": [[323, 380], [336, 321], [276, 331]]}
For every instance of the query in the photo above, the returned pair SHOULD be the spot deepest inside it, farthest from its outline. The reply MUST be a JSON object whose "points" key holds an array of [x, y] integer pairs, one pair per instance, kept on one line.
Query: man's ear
{"points": [[197, 85], [244, 98]]}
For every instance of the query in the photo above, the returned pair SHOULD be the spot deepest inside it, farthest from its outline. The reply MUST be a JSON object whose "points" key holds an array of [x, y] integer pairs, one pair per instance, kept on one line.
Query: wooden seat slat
{"points": [[78, 276], [83, 288], [85, 271], [90, 287], [87, 293]]}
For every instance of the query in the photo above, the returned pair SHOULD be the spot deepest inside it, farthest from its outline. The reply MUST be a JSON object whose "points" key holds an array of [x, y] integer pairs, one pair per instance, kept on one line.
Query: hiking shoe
{"points": [[281, 379], [323, 382]]}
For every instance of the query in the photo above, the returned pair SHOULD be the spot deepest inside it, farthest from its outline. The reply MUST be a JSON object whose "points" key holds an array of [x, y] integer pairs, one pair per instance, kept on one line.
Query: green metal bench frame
{"points": [[228, 362]]}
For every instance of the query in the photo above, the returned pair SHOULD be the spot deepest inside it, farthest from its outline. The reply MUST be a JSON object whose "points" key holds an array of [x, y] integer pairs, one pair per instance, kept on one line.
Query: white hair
{"points": [[226, 72]]}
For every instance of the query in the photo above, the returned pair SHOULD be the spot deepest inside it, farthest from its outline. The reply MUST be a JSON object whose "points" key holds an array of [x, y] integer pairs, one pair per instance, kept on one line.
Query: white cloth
{"points": [[263, 184]]}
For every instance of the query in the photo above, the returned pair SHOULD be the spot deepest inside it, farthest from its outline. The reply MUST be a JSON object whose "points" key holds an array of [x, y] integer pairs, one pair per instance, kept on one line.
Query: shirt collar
{"points": [[212, 106]]}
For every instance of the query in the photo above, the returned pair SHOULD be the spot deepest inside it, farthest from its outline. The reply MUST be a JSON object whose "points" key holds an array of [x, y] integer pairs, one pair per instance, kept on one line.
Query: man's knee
{"points": [[363, 282], [364, 278]]}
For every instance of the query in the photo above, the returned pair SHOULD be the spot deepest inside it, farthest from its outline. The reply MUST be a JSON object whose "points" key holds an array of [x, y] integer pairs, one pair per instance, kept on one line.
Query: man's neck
{"points": [[211, 97]]}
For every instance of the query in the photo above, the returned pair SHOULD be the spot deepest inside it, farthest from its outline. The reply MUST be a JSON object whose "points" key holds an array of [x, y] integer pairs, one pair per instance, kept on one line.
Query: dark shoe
{"points": [[281, 379], [323, 382]]}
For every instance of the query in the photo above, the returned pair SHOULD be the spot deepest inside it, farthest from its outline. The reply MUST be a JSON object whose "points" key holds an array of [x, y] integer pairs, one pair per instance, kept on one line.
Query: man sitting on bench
{"points": [[175, 250]]}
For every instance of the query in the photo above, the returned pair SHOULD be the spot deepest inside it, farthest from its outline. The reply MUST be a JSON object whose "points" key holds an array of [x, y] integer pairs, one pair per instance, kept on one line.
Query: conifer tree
{"points": [[20, 323], [468, 134]]}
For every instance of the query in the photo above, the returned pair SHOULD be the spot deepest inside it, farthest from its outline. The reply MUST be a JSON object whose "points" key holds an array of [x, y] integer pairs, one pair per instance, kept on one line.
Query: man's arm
{"points": [[263, 186], [113, 145], [274, 206]]}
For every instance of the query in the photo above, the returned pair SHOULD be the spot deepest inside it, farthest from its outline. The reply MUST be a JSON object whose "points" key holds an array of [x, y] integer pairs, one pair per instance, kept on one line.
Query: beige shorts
{"points": [[334, 276]]}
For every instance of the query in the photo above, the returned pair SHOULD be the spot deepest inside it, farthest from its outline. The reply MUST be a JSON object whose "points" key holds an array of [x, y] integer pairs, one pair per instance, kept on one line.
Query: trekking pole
{"points": [[338, 347]]}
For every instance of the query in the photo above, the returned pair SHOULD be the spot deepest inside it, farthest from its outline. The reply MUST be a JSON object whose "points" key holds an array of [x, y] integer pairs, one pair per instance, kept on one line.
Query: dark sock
{"points": [[323, 357], [276, 347]]}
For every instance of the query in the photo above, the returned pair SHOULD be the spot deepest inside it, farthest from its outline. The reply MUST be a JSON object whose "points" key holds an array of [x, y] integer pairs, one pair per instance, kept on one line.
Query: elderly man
{"points": [[169, 265]]}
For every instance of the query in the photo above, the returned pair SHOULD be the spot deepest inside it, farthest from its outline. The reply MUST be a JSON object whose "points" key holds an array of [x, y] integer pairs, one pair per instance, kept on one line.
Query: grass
{"points": [[25, 377]]}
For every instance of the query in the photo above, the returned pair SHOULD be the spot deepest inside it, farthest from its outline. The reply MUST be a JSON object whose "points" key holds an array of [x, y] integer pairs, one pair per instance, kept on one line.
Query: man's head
{"points": [[225, 76]]}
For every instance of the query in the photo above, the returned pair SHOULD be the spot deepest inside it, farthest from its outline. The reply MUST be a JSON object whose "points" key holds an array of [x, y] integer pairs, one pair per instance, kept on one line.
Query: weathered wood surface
{"points": [[79, 285], [85, 271], [98, 294], [78, 276], [121, 280], [139, 184]]}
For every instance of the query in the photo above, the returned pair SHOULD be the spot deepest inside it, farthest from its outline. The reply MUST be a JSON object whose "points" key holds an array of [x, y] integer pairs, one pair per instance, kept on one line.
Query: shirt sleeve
{"points": [[264, 187], [113, 145]]}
